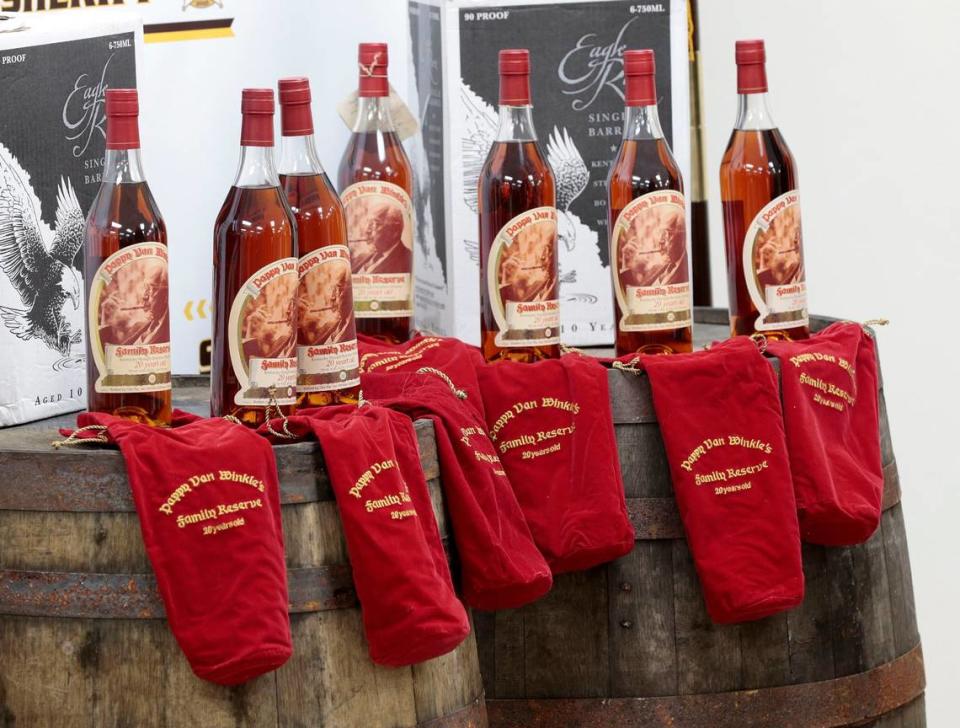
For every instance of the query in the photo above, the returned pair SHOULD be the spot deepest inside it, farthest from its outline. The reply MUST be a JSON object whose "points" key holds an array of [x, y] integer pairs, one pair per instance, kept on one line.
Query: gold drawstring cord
{"points": [[760, 339], [72, 439], [630, 366], [274, 407], [865, 325], [460, 394]]}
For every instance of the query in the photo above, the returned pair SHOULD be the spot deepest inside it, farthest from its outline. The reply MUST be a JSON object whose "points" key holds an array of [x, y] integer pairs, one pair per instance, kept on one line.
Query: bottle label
{"points": [[652, 275], [262, 336], [522, 283], [327, 354], [129, 321], [380, 233], [773, 265]]}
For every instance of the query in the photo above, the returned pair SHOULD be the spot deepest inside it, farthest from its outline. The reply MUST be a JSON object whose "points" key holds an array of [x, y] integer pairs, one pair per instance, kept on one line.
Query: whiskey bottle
{"points": [[255, 281], [647, 226], [761, 214], [376, 184], [328, 365], [127, 284], [519, 281]]}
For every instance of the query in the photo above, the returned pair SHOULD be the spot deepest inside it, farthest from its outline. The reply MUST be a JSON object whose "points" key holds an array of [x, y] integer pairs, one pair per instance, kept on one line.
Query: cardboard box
{"points": [[576, 53], [54, 73]]}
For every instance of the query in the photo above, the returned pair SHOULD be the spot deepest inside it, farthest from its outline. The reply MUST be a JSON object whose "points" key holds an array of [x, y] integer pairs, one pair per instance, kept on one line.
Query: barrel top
{"points": [[93, 478]]}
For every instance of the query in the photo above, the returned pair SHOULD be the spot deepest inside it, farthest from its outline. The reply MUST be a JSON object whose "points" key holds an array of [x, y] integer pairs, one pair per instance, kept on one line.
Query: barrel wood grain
{"points": [[69, 513], [858, 615]]}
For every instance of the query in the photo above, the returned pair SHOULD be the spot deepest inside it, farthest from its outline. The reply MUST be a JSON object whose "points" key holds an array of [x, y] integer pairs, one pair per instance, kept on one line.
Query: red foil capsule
{"points": [[515, 77], [640, 70], [295, 116], [751, 67], [258, 108], [122, 109], [373, 60]]}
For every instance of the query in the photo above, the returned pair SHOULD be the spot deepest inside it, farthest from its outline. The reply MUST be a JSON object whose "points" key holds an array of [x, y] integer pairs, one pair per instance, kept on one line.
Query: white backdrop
{"points": [[864, 92], [859, 89]]}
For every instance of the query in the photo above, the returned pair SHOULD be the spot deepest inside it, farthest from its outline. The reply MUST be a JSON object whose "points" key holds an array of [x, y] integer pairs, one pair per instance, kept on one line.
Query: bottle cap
{"points": [[750, 51], [373, 59], [515, 61], [122, 110], [122, 102], [296, 118], [639, 63], [294, 90], [257, 101], [751, 58], [514, 77], [258, 108], [640, 88]]}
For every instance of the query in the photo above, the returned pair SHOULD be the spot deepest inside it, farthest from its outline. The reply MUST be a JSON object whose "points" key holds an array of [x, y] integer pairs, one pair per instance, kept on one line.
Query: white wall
{"points": [[865, 94]]}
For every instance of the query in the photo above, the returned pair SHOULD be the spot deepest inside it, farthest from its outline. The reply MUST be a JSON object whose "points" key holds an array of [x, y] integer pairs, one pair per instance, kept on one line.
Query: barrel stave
{"points": [[765, 652], [566, 638], [903, 611], [109, 672], [858, 617], [708, 655], [452, 679], [643, 648], [809, 631]]}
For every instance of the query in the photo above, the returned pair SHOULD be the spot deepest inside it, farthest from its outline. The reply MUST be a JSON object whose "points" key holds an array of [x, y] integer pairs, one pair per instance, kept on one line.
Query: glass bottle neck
{"points": [[642, 122], [516, 124], [123, 166], [298, 155], [257, 168], [373, 114], [754, 113]]}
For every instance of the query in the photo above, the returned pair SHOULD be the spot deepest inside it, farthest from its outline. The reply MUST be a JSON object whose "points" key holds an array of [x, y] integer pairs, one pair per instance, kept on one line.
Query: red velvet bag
{"points": [[452, 357], [208, 500], [831, 416], [719, 413], [551, 425], [401, 574], [501, 567]]}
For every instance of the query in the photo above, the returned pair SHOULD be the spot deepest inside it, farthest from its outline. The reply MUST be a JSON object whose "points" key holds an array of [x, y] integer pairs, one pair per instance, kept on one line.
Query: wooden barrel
{"points": [[83, 641], [630, 643]]}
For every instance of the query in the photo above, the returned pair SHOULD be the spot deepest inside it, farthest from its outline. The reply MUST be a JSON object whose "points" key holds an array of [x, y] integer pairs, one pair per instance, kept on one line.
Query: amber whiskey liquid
{"points": [[647, 228], [761, 215], [328, 364], [519, 280], [376, 185], [127, 286], [255, 282]]}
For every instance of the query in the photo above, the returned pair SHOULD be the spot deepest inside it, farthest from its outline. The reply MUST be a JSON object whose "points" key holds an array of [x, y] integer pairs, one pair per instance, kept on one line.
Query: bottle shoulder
{"points": [[516, 163], [375, 155], [757, 152], [310, 193], [645, 166], [127, 212], [255, 211]]}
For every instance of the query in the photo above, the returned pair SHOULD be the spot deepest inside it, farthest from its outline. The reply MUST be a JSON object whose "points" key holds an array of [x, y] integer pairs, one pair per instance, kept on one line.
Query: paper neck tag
{"points": [[404, 121]]}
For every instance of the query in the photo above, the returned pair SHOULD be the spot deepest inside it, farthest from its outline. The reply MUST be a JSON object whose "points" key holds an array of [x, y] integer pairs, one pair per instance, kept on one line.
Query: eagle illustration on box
{"points": [[44, 266], [572, 175]]}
